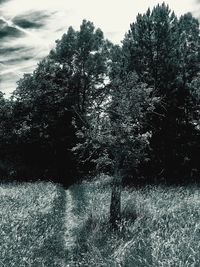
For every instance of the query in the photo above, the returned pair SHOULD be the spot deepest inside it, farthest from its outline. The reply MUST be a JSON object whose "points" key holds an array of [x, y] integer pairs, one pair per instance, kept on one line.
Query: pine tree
{"points": [[164, 51]]}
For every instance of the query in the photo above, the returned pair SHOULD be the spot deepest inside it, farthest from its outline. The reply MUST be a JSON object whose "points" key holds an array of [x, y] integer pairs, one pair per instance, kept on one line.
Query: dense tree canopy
{"points": [[47, 104], [90, 105]]}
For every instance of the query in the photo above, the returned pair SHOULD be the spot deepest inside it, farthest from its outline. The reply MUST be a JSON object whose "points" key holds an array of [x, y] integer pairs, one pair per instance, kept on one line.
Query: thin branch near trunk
{"points": [[80, 117]]}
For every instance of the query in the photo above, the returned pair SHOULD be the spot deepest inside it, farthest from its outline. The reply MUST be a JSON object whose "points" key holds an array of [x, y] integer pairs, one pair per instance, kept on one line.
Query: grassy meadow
{"points": [[31, 225], [42, 225], [161, 227]]}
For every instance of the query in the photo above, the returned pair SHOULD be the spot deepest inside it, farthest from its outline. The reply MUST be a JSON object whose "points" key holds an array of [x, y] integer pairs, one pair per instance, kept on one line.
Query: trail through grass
{"points": [[71, 225]]}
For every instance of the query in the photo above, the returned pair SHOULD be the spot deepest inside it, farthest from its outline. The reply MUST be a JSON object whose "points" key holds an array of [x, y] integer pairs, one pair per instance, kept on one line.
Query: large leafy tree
{"points": [[85, 54], [48, 103]]}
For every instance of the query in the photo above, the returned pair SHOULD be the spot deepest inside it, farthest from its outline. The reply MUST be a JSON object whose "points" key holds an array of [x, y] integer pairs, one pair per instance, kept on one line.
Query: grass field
{"points": [[31, 225], [42, 225], [161, 227]]}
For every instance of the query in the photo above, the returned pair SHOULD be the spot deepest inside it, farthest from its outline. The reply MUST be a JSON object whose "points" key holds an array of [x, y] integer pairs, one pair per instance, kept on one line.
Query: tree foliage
{"points": [[164, 52], [91, 105], [47, 102]]}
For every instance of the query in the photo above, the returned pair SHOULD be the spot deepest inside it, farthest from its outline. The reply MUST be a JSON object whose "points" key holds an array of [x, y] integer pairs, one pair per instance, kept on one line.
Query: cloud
{"points": [[7, 50], [31, 20], [27, 34], [22, 45], [29, 28], [7, 31]]}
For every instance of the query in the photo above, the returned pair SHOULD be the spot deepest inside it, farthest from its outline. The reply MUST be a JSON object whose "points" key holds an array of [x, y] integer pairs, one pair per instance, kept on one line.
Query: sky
{"points": [[29, 28]]}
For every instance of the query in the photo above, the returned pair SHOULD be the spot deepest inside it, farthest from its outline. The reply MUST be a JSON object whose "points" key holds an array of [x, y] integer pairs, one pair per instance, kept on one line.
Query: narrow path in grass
{"points": [[71, 223], [73, 218]]}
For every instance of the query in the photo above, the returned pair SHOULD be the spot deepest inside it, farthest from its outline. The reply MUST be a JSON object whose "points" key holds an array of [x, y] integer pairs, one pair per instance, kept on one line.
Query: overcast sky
{"points": [[29, 28]]}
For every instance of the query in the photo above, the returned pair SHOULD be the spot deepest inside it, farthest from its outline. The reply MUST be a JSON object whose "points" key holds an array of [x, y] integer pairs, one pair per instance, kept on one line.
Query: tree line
{"points": [[130, 110]]}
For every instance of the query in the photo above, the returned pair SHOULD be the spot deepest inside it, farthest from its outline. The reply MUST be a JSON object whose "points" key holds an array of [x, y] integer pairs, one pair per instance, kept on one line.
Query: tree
{"points": [[117, 130], [150, 48], [189, 48], [47, 103], [43, 122], [164, 52], [84, 54]]}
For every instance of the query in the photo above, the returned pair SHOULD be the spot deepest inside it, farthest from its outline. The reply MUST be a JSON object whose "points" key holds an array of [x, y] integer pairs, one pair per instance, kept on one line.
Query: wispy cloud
{"points": [[14, 29], [34, 20], [22, 44], [7, 30], [28, 28]]}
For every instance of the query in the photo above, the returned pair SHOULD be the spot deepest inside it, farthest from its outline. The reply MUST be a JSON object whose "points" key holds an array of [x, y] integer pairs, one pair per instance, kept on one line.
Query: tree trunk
{"points": [[115, 205]]}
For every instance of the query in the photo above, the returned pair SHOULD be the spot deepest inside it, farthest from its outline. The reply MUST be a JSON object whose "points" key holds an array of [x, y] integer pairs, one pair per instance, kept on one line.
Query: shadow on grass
{"points": [[79, 198], [99, 245]]}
